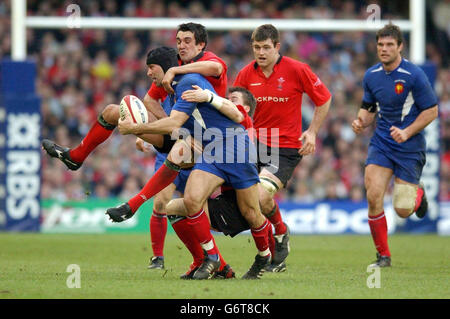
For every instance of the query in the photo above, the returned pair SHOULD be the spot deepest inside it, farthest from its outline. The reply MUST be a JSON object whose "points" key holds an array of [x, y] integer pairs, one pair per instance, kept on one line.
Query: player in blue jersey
{"points": [[227, 157], [400, 96]]}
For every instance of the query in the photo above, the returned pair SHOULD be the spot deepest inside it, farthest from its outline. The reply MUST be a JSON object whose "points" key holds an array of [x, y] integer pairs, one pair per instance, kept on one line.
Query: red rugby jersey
{"points": [[219, 83], [247, 122], [279, 98]]}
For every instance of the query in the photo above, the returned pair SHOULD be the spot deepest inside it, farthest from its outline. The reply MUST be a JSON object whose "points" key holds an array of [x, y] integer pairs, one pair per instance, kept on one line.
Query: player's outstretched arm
{"points": [[224, 106], [154, 107], [162, 126], [425, 117], [308, 137], [205, 68]]}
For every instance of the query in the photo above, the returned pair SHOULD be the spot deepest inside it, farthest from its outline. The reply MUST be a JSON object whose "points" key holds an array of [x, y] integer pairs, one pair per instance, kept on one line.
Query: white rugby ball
{"points": [[134, 107]]}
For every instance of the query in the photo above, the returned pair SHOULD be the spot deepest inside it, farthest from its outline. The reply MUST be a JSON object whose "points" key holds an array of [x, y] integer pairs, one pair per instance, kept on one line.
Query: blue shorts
{"points": [[406, 166], [233, 159], [180, 181], [238, 175], [160, 158]]}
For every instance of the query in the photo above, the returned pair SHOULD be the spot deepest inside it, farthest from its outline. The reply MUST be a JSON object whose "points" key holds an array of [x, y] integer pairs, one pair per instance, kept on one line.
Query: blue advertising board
{"points": [[346, 217], [20, 154]]}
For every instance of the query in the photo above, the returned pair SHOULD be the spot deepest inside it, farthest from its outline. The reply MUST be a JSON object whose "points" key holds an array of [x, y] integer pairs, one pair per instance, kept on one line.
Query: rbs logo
{"points": [[23, 164]]}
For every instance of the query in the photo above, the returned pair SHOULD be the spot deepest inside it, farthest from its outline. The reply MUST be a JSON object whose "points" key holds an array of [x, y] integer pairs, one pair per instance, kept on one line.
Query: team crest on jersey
{"points": [[399, 87], [280, 83]]}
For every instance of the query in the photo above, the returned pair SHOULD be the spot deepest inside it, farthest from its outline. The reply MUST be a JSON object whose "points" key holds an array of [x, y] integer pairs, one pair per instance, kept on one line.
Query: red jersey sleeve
{"points": [[157, 93], [313, 86], [247, 121], [219, 83]]}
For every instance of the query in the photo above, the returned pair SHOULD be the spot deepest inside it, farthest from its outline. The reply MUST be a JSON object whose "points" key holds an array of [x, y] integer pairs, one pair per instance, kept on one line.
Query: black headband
{"points": [[163, 56]]}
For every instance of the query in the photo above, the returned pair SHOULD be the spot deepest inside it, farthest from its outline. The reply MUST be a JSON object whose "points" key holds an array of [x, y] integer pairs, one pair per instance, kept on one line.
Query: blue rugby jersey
{"points": [[201, 115], [400, 96]]}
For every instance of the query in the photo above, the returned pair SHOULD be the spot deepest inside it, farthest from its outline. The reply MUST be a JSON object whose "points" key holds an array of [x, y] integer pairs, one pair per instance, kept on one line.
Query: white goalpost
{"points": [[415, 25]]}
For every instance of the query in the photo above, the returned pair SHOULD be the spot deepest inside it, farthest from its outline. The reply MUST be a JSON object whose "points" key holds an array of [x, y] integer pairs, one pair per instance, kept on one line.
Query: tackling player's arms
{"points": [[225, 106], [205, 68]]}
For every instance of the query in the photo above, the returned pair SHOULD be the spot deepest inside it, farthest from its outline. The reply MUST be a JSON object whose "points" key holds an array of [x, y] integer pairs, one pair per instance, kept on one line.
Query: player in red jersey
{"points": [[192, 39], [191, 44], [278, 84]]}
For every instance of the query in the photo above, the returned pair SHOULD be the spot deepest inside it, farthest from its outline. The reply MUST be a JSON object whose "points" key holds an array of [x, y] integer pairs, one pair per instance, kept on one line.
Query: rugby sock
{"points": [[184, 232], [222, 261], [276, 220], [98, 133], [261, 237], [163, 177], [158, 231], [271, 241], [200, 225], [378, 228]]}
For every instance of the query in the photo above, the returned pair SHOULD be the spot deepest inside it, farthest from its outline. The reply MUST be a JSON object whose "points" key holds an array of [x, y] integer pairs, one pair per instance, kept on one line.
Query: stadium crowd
{"points": [[82, 71]]}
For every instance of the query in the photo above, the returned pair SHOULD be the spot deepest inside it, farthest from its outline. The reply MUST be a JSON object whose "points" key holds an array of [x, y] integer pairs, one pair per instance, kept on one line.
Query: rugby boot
{"points": [[61, 153], [226, 273], [421, 211], [156, 262], [258, 267], [190, 273], [282, 250], [120, 213], [281, 267], [382, 261], [206, 269]]}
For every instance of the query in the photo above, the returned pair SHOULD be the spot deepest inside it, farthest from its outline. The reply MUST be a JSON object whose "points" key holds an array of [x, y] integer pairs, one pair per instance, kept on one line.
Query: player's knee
{"points": [[404, 199], [374, 198], [159, 205], [181, 154], [111, 114], [403, 213], [192, 203]]}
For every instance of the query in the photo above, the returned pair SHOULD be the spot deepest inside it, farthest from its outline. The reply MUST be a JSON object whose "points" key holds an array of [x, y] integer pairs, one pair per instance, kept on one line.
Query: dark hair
{"points": [[390, 30], [264, 32], [199, 31], [247, 96], [163, 56]]}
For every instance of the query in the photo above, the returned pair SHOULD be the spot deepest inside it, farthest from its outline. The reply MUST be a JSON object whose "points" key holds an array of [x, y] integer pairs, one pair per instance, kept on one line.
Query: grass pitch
{"points": [[115, 266]]}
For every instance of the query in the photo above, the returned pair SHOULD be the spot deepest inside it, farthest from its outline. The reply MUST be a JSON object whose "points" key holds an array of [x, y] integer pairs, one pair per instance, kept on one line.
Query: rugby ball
{"points": [[134, 107]]}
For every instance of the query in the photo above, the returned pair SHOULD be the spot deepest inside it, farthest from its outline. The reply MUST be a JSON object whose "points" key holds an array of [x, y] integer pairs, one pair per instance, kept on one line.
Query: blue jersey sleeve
{"points": [[422, 91], [368, 96], [186, 83]]}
